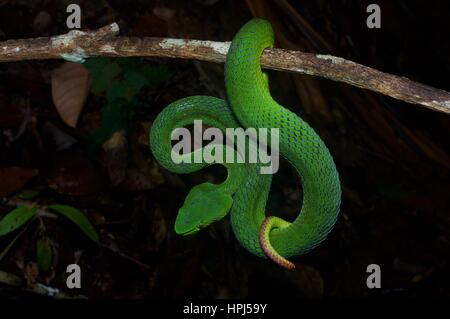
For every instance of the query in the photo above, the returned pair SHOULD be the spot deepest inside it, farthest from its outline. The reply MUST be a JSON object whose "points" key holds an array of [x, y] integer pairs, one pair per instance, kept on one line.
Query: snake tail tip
{"points": [[266, 246]]}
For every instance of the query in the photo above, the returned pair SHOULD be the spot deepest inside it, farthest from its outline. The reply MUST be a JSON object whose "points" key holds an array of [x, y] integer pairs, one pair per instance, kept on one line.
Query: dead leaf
{"points": [[14, 178], [70, 88]]}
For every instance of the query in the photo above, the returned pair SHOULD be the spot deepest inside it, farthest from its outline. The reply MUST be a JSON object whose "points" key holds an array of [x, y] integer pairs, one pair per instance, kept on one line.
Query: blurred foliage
{"points": [[120, 81], [392, 157], [22, 216]]}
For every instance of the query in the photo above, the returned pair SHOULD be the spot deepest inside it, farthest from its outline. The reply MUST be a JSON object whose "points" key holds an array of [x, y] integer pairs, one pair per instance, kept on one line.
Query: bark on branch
{"points": [[79, 45]]}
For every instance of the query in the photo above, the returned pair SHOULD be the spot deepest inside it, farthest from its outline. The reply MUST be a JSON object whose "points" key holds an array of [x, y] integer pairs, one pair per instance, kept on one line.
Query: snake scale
{"points": [[245, 191]]}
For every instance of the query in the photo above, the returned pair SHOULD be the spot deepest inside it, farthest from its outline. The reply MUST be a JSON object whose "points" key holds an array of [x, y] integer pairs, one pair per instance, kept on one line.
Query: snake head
{"points": [[205, 204]]}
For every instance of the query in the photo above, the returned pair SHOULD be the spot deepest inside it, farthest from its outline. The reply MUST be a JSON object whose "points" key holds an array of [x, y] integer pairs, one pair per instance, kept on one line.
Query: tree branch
{"points": [[79, 45]]}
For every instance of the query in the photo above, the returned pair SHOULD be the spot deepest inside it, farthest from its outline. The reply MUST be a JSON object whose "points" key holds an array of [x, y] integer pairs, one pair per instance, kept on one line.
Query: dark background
{"points": [[393, 157]]}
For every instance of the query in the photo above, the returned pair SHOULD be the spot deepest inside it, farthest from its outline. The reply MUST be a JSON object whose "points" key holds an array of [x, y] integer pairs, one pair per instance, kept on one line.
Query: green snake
{"points": [[245, 191]]}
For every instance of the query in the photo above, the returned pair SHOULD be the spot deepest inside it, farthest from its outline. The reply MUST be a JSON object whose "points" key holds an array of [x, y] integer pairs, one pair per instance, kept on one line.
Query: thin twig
{"points": [[79, 45], [116, 251]]}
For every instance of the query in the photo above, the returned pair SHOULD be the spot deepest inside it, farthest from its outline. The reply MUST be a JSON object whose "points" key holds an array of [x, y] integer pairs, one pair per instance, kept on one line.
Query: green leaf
{"points": [[44, 254], [16, 218], [78, 218]]}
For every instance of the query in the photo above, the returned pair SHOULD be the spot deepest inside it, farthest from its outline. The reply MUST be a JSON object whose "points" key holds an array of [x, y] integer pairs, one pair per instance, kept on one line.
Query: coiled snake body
{"points": [[245, 191]]}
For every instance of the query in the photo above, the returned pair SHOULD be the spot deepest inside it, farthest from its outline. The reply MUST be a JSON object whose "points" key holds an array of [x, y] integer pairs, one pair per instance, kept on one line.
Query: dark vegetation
{"points": [[393, 157]]}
